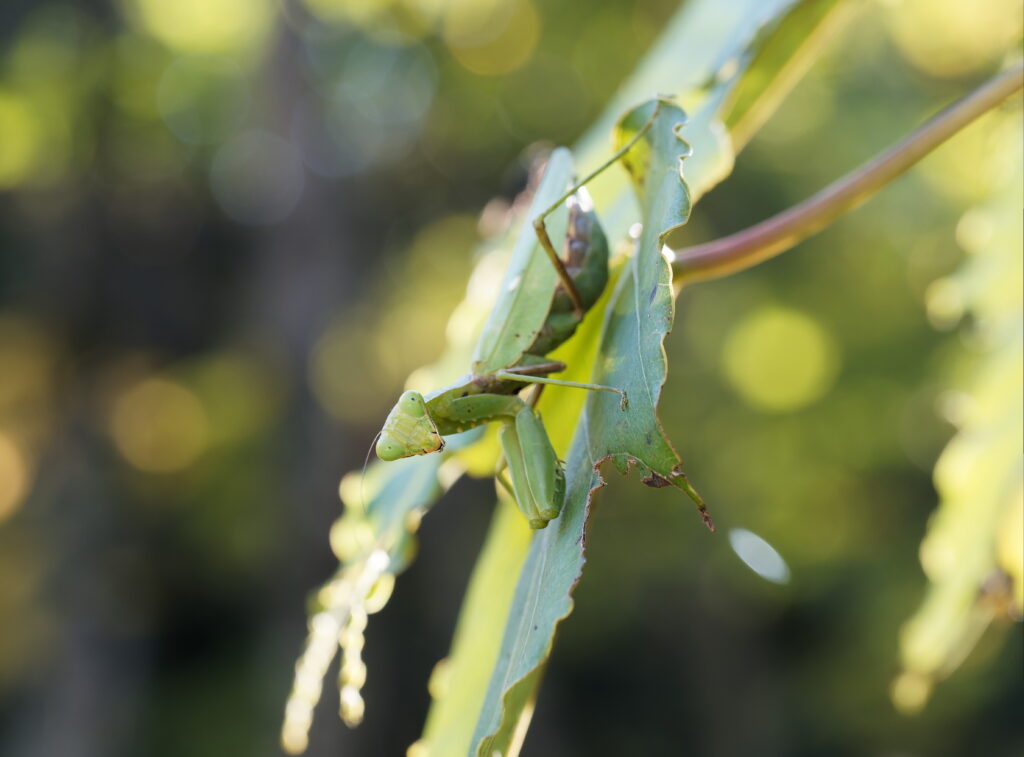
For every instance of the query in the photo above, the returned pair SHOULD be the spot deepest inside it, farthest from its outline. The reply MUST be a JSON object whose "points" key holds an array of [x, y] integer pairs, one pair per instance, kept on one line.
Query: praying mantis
{"points": [[544, 298]]}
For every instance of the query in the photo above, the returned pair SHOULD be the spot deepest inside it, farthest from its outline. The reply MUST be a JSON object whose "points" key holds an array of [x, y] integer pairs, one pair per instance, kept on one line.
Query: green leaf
{"points": [[781, 58], [631, 357], [530, 280], [457, 681], [644, 306]]}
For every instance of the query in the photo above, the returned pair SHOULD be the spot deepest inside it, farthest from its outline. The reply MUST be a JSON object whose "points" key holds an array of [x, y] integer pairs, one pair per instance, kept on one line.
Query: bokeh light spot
{"points": [[954, 38], [257, 178], [240, 393], [208, 26], [779, 360], [476, 22], [159, 426], [758, 555], [14, 476], [493, 37], [910, 692], [975, 231], [18, 136], [1010, 544], [341, 345], [359, 12], [945, 304]]}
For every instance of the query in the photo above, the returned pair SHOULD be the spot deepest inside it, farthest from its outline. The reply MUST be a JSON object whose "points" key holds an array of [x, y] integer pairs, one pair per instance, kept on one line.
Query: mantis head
{"points": [[409, 429]]}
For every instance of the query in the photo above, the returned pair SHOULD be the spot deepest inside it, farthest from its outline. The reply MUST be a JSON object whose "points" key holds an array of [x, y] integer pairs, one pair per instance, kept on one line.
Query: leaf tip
{"points": [[679, 479]]}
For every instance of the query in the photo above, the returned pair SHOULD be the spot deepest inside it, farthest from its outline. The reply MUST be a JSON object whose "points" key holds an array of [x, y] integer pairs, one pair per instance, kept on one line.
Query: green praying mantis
{"points": [[544, 297]]}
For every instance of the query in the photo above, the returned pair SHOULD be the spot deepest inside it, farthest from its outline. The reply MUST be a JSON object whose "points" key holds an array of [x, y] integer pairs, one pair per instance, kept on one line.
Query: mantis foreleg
{"points": [[538, 481]]}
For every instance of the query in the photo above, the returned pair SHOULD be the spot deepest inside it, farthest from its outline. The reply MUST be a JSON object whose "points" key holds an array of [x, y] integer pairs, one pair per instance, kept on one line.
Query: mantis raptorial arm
{"points": [[538, 481]]}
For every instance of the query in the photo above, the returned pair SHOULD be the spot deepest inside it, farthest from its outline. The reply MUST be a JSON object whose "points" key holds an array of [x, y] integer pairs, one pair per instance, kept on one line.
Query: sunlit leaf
{"points": [[631, 357], [787, 49], [529, 279]]}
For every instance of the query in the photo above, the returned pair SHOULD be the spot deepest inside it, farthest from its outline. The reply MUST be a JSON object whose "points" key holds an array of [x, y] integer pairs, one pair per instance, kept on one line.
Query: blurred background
{"points": [[228, 231]]}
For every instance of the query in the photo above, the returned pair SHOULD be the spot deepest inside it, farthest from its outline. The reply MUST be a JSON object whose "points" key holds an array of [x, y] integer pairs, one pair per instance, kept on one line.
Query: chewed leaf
{"points": [[643, 307], [632, 358], [530, 279], [655, 163]]}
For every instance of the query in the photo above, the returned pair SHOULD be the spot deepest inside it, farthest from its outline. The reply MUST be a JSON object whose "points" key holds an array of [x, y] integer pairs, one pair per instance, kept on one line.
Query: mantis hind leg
{"points": [[510, 374], [541, 229]]}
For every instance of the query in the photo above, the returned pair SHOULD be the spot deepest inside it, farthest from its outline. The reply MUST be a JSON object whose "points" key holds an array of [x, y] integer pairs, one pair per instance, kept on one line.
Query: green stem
{"points": [[779, 233]]}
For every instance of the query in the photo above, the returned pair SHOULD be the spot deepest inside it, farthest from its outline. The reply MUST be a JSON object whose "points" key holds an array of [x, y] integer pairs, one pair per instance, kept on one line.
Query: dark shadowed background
{"points": [[230, 228]]}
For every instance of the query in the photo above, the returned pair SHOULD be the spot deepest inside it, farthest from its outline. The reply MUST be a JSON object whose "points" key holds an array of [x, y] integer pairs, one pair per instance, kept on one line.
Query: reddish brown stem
{"points": [[779, 233]]}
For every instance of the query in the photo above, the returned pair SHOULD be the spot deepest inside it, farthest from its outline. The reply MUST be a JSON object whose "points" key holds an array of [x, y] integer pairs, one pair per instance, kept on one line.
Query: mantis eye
{"points": [[388, 450], [412, 403]]}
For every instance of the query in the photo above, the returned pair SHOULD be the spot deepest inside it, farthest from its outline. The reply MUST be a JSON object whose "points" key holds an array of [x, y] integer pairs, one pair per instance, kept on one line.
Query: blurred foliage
{"points": [[973, 553], [205, 211]]}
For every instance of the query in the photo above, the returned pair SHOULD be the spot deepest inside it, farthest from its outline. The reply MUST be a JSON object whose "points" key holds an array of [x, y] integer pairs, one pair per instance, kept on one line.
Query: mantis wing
{"points": [[530, 279]]}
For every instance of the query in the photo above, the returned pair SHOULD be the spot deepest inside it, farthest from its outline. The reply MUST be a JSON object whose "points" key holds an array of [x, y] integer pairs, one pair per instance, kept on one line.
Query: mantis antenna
{"points": [[362, 475]]}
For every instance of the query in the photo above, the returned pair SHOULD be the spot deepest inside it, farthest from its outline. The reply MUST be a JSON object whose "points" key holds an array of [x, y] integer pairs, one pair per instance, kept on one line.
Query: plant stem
{"points": [[781, 232]]}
